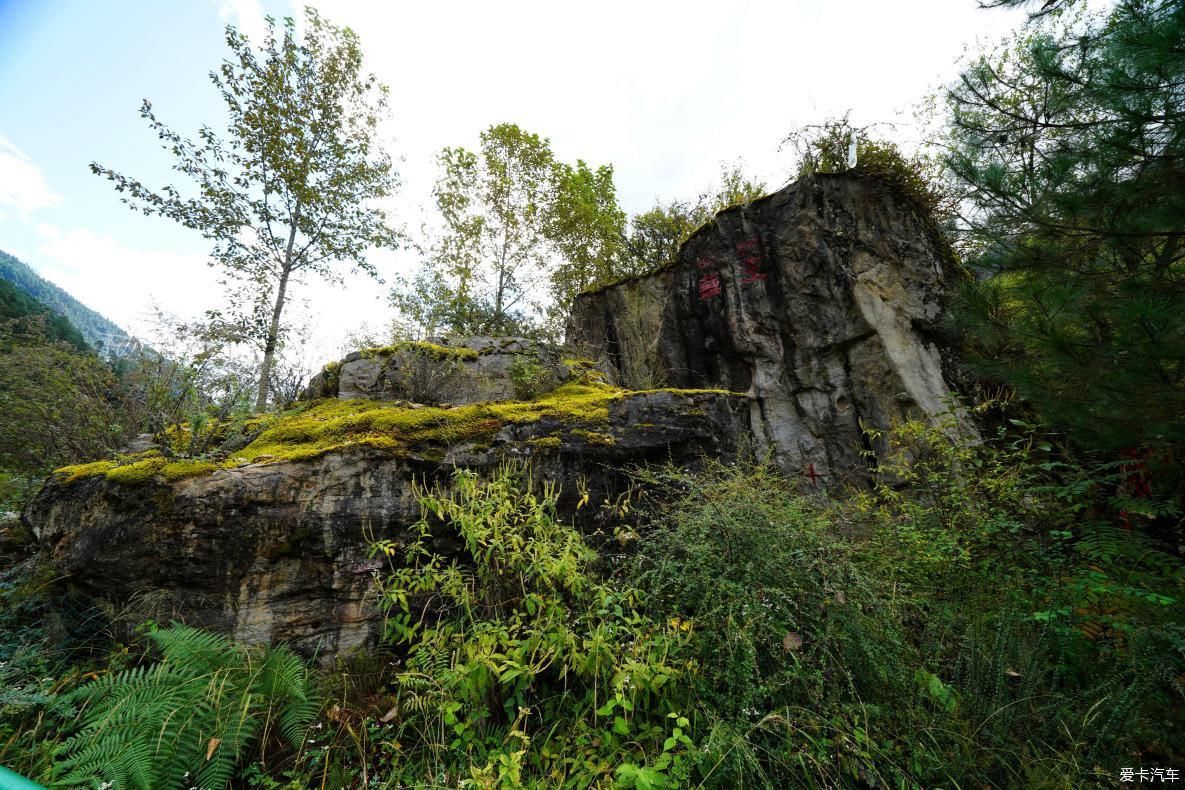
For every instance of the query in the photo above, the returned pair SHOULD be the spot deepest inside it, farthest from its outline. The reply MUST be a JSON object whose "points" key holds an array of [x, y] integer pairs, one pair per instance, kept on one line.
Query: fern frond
{"points": [[188, 719]]}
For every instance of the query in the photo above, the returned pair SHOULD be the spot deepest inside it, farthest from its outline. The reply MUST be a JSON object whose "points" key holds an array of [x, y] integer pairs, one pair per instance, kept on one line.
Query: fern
{"points": [[188, 720]]}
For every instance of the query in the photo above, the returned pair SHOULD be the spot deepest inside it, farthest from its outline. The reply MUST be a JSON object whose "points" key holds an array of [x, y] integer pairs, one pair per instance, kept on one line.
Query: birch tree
{"points": [[290, 189]]}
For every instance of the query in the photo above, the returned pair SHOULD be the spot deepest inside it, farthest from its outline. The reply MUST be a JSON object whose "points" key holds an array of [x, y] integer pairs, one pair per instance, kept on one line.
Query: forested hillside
{"points": [[16, 304], [99, 332]]}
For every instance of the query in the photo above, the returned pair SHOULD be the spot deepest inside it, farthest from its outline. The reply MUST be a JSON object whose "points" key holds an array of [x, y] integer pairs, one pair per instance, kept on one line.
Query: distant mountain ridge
{"points": [[101, 333]]}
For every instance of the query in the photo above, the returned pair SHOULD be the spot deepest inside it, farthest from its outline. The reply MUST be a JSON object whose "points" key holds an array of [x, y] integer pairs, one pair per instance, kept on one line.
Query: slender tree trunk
{"points": [[269, 348], [273, 329]]}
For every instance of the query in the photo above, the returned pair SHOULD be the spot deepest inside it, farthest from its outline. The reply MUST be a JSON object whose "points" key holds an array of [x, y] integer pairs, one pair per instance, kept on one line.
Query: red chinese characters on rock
{"points": [[709, 281], [709, 285], [749, 252]]}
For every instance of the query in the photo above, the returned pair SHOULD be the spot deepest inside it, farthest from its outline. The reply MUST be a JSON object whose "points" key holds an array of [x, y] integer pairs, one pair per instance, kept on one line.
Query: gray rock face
{"points": [[821, 301], [444, 370], [279, 551]]}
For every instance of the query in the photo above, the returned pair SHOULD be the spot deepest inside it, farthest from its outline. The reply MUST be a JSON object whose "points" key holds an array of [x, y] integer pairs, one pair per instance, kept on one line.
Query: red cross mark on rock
{"points": [[812, 475]]}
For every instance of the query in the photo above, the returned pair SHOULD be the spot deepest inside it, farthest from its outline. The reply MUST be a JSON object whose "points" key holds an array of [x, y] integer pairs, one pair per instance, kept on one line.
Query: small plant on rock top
{"points": [[530, 379]]}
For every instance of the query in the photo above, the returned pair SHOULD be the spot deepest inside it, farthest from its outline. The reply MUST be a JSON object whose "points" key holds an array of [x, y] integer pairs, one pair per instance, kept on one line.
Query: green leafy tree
{"points": [[522, 234], [1069, 147], [918, 178], [290, 190], [655, 236], [525, 233], [189, 374], [494, 252], [587, 226]]}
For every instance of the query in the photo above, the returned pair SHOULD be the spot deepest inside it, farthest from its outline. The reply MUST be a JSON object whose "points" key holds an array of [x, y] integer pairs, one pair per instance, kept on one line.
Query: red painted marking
{"points": [[812, 474], [704, 263], [753, 271], [750, 258], [709, 285]]}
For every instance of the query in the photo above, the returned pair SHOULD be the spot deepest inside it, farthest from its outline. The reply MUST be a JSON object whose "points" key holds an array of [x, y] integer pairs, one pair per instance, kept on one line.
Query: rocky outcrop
{"points": [[444, 370], [274, 544], [821, 301]]}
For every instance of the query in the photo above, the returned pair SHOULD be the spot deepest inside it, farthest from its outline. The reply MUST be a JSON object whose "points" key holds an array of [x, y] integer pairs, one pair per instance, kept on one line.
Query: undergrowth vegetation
{"points": [[979, 617]]}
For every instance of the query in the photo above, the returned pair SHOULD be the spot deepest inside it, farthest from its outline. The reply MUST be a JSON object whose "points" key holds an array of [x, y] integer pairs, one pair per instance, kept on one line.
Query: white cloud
{"points": [[664, 91], [124, 282], [247, 16], [121, 281], [22, 187]]}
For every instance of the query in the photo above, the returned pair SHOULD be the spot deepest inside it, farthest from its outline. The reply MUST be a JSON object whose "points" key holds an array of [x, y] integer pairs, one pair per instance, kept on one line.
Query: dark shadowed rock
{"points": [[821, 301]]}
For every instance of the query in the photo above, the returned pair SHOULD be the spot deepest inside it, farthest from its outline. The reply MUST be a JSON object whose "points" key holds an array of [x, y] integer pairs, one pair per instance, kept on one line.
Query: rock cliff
{"points": [[440, 370], [822, 302]]}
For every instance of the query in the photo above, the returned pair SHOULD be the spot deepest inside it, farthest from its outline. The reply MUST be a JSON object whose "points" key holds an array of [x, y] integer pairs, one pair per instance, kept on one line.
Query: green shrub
{"points": [[790, 634], [977, 619], [522, 666], [529, 378]]}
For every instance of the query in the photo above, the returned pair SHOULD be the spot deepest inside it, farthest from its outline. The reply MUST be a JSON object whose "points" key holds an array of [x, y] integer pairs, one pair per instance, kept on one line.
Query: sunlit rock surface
{"points": [[822, 302]]}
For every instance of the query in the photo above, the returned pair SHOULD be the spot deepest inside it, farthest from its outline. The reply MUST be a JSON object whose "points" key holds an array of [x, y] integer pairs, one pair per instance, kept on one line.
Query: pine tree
{"points": [[1070, 149]]}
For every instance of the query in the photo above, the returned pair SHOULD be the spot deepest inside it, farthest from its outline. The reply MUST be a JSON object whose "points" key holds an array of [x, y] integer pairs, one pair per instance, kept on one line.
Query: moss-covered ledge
{"points": [[425, 348], [316, 428]]}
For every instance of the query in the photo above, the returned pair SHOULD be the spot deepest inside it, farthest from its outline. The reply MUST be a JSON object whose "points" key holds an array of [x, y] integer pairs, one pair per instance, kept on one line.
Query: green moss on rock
{"points": [[593, 437], [139, 469], [430, 350], [190, 467], [313, 429], [77, 471], [333, 425]]}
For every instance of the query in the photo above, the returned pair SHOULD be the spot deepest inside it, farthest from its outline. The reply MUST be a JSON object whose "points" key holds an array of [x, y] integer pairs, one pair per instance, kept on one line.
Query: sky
{"points": [[664, 91]]}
